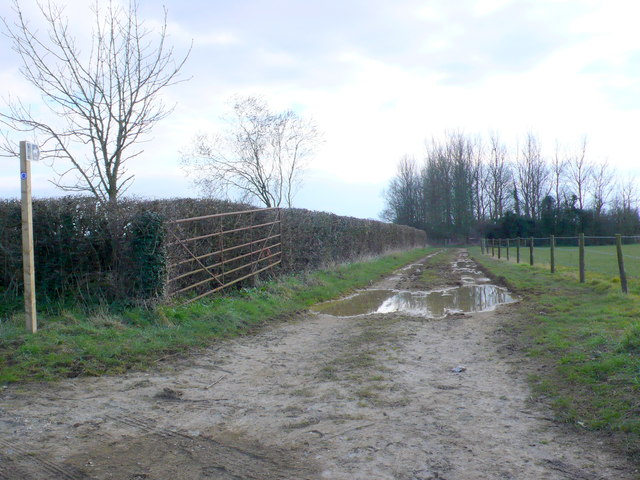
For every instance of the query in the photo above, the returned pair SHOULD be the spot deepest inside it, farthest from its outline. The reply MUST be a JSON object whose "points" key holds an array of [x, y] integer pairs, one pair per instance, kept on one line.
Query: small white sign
{"points": [[33, 152]]}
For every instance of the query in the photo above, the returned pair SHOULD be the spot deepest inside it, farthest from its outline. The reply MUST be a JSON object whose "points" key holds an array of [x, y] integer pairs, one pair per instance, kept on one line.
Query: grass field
{"points": [[585, 339], [600, 259]]}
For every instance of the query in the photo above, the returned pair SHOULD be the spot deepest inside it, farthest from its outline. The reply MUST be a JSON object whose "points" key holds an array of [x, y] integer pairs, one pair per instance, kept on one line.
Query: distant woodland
{"points": [[468, 187]]}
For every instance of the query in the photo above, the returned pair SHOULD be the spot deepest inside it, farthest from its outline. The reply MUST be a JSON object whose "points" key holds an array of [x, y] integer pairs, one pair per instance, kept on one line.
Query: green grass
{"points": [[437, 267], [586, 340], [72, 342], [600, 259]]}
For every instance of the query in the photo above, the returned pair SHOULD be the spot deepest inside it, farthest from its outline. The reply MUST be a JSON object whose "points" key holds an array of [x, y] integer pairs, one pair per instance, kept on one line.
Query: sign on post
{"points": [[28, 153], [32, 152]]}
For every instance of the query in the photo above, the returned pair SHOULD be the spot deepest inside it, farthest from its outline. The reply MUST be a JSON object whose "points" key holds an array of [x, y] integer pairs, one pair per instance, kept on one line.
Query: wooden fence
{"points": [[523, 249], [212, 252]]}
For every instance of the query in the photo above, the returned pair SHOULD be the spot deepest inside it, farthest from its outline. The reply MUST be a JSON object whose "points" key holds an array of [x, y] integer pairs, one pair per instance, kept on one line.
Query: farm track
{"points": [[370, 397]]}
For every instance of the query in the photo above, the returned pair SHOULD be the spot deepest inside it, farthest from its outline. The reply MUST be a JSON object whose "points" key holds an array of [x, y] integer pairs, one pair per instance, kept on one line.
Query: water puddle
{"points": [[435, 304], [464, 265], [361, 303]]}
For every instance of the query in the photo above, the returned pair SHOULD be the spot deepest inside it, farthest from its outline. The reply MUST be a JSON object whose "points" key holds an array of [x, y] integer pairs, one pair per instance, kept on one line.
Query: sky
{"points": [[380, 78]]}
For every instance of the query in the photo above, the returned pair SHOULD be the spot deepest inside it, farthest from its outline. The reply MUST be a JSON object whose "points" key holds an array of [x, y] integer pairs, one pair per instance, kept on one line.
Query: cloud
{"points": [[380, 76], [300, 43], [619, 78]]}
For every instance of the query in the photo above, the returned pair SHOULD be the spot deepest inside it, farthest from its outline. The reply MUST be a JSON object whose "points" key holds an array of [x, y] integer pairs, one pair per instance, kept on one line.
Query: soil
{"points": [[369, 397]]}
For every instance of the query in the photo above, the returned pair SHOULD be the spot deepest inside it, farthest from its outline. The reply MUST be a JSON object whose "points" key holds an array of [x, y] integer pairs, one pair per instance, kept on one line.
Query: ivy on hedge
{"points": [[147, 256]]}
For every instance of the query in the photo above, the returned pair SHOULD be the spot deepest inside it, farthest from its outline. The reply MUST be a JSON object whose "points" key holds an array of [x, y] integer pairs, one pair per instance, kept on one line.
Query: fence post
{"points": [[531, 251], [623, 274], [482, 246], [507, 249], [552, 242], [581, 256], [28, 272], [499, 246], [493, 247], [518, 250]]}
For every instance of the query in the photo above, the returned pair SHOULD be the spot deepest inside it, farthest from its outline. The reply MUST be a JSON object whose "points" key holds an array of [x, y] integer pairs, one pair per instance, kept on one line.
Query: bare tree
{"points": [[580, 173], [603, 185], [260, 157], [499, 177], [532, 177], [558, 174], [403, 197], [437, 184], [625, 207], [627, 197], [450, 185], [460, 150], [103, 95], [480, 183]]}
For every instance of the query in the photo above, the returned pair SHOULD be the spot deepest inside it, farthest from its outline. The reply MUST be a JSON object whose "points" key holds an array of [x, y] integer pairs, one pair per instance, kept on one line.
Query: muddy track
{"points": [[369, 397]]}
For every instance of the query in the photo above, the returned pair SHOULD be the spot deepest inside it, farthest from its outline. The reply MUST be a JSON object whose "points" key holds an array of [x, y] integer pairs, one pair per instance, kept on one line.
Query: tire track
{"points": [[146, 425], [10, 465], [10, 471], [231, 461]]}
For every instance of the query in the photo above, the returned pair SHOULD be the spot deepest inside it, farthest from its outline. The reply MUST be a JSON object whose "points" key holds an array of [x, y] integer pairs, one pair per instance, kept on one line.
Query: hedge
{"points": [[315, 239], [89, 254]]}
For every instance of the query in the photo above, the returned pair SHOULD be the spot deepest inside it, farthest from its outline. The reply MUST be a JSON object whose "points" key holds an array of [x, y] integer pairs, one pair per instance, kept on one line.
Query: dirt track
{"points": [[370, 397]]}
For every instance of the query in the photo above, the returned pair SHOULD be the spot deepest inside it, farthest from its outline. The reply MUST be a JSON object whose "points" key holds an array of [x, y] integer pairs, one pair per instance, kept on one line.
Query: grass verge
{"points": [[74, 343], [586, 340]]}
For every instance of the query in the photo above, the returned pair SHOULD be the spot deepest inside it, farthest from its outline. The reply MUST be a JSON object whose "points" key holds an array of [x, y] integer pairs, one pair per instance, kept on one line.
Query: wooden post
{"points": [[581, 256], [552, 244], [518, 250], [27, 241], [507, 249], [530, 250], [493, 247], [252, 236], [623, 274], [482, 246], [221, 246], [499, 246]]}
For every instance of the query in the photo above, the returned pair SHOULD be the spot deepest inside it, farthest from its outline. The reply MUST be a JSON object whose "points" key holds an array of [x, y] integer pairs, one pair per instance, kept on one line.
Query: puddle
{"points": [[466, 267], [474, 280], [436, 304], [362, 303]]}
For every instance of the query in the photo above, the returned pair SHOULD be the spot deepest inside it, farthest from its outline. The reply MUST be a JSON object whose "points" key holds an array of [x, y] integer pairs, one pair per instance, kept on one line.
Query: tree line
{"points": [[468, 186]]}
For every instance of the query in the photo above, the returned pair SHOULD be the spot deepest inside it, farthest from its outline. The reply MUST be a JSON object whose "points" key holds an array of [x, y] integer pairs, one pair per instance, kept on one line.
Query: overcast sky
{"points": [[381, 77]]}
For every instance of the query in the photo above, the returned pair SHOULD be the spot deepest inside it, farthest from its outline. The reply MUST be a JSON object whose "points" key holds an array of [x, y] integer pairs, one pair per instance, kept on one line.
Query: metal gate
{"points": [[212, 252]]}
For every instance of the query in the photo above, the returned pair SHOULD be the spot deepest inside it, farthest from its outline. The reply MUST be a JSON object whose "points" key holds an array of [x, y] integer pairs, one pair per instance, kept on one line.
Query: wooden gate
{"points": [[212, 252]]}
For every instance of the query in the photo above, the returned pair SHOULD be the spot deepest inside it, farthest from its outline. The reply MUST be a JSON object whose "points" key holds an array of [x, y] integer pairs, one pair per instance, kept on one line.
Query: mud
{"points": [[368, 397]]}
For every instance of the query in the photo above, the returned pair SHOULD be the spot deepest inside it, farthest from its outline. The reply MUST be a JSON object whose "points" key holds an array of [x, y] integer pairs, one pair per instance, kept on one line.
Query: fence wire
{"points": [[600, 253]]}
